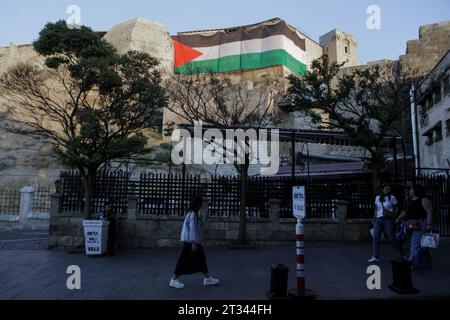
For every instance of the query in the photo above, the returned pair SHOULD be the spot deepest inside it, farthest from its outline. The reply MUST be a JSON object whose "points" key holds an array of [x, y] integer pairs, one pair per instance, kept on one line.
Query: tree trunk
{"points": [[88, 181], [377, 164], [376, 179], [243, 168]]}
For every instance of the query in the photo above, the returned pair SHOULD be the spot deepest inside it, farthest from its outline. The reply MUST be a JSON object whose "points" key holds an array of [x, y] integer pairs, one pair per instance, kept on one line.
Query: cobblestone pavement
{"points": [[333, 271], [24, 240]]}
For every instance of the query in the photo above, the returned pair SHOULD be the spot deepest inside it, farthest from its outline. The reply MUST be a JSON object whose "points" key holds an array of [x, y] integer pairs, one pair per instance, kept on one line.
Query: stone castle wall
{"points": [[424, 53], [21, 154]]}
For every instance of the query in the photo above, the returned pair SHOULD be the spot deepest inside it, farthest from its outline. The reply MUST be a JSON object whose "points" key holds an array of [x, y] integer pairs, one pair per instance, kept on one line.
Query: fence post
{"points": [[274, 212], [132, 208], [341, 215], [204, 211], [55, 204], [26, 201]]}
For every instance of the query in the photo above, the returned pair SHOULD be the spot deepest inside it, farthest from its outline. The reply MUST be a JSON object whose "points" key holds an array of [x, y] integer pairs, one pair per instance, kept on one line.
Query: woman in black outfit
{"points": [[419, 219]]}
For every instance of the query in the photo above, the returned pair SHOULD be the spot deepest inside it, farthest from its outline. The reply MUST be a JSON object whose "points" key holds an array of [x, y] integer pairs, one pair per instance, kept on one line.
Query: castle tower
{"points": [[340, 47], [143, 35]]}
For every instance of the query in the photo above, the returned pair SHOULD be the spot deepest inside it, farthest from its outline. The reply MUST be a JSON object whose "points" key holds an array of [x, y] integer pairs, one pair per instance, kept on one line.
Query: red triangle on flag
{"points": [[183, 54]]}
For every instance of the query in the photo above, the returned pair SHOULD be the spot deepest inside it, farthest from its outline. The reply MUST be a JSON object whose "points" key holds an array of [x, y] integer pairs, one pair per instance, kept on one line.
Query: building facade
{"points": [[432, 118]]}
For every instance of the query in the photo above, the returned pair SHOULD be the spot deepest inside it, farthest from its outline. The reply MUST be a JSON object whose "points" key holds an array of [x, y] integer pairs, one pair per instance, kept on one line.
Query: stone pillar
{"points": [[341, 210], [204, 211], [132, 208], [26, 202], [341, 215], [274, 212], [55, 204], [274, 216]]}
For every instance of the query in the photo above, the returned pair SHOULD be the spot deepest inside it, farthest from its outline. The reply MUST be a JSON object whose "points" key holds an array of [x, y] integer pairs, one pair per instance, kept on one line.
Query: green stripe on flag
{"points": [[245, 61]]}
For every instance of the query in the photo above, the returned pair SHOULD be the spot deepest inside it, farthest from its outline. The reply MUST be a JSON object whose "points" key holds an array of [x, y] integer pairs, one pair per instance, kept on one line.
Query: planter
{"points": [[95, 236]]}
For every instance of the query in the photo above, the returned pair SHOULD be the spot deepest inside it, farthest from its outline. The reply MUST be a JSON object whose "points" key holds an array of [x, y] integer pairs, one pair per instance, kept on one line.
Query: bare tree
{"points": [[218, 102]]}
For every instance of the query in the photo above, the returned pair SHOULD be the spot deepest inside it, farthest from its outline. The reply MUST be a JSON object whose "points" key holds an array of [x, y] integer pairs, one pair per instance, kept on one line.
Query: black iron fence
{"points": [[108, 186], [9, 201], [41, 199], [162, 194]]}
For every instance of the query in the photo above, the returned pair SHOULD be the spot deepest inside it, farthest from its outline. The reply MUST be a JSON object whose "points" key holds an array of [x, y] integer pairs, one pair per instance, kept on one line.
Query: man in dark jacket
{"points": [[110, 215]]}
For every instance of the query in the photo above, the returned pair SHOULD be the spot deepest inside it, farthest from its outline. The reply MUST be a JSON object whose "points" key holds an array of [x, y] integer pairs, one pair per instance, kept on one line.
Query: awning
{"points": [[330, 137], [325, 169]]}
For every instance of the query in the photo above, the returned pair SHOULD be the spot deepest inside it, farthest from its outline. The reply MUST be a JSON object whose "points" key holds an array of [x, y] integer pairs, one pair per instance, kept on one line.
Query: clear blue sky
{"points": [[21, 20]]}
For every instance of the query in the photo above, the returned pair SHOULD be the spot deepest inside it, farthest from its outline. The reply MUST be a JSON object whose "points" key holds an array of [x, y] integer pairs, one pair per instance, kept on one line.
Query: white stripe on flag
{"points": [[300, 251], [252, 46], [300, 266], [300, 244], [300, 274]]}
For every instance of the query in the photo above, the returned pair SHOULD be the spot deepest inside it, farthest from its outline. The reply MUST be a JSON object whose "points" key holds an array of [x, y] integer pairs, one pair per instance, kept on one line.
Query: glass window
{"points": [[437, 134], [429, 139]]}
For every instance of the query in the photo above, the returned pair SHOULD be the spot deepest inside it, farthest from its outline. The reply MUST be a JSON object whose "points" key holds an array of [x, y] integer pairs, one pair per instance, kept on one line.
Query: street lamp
{"points": [[302, 163]]}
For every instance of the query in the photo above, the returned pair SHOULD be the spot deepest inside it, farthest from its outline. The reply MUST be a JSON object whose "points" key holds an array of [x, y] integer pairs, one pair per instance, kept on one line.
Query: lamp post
{"points": [[302, 164]]}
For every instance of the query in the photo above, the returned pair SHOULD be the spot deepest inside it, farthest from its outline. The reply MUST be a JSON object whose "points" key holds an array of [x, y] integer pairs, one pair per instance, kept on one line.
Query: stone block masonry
{"points": [[143, 231], [26, 218]]}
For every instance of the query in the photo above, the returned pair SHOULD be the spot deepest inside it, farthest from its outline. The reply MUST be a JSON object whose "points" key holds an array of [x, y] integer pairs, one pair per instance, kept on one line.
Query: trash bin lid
{"points": [[94, 223]]}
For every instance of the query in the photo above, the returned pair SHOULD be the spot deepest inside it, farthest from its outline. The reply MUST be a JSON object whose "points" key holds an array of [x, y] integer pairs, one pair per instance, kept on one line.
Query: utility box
{"points": [[95, 236], [278, 282]]}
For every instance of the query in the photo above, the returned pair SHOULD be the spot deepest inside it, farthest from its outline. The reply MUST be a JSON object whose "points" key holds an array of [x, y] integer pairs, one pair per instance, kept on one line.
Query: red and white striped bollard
{"points": [[301, 292]]}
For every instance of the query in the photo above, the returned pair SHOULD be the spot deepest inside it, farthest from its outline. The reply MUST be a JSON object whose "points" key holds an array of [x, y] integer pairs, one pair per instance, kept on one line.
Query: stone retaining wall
{"points": [[136, 231]]}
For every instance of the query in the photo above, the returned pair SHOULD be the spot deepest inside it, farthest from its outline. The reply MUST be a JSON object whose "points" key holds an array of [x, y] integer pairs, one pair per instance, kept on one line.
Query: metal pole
{"points": [[307, 154], [300, 251], [394, 145], [293, 157], [404, 159], [414, 122], [300, 292]]}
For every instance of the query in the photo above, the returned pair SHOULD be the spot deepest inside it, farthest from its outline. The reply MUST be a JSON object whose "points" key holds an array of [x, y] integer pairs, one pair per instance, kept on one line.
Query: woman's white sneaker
{"points": [[373, 259], [175, 283], [210, 281]]}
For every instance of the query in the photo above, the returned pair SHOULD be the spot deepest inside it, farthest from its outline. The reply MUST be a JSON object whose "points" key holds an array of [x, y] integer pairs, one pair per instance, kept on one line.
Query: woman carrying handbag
{"points": [[419, 219]]}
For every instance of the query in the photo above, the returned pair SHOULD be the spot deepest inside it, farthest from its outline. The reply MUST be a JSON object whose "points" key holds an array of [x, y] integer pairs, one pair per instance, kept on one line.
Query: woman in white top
{"points": [[192, 258], [386, 207]]}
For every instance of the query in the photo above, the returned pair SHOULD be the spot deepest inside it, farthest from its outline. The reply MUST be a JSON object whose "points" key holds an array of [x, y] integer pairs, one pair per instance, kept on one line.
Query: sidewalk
{"points": [[334, 271]]}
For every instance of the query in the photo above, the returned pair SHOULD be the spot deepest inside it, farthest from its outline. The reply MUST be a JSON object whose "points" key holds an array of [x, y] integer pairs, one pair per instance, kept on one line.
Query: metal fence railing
{"points": [[9, 201], [162, 194], [41, 199]]}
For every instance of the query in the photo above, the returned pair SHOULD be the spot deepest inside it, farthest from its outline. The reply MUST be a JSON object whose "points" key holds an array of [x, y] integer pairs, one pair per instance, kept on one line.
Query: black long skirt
{"points": [[191, 262]]}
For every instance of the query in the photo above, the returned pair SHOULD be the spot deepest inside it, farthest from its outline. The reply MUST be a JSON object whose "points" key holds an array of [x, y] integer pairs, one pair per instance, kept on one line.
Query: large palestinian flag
{"points": [[262, 45]]}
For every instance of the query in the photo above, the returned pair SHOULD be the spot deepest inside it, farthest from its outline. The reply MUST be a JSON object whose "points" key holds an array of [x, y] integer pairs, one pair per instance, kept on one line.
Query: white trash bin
{"points": [[95, 236]]}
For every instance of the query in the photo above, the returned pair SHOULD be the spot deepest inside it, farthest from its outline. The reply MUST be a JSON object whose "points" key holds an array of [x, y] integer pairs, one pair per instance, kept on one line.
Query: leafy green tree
{"points": [[366, 103], [87, 100]]}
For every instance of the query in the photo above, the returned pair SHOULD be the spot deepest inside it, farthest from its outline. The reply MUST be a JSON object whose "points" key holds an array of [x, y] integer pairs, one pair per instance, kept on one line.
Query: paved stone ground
{"points": [[334, 271], [24, 240]]}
